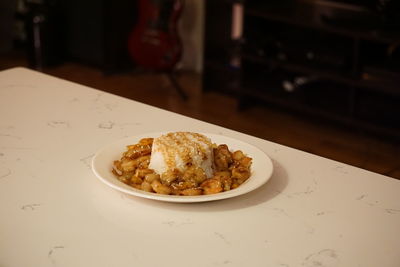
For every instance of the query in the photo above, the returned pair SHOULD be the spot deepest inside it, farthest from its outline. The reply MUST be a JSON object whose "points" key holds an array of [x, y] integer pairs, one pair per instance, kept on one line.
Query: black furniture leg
{"points": [[177, 86]]}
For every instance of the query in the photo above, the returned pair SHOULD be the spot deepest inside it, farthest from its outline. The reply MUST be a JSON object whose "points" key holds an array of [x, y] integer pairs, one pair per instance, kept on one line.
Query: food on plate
{"points": [[182, 163]]}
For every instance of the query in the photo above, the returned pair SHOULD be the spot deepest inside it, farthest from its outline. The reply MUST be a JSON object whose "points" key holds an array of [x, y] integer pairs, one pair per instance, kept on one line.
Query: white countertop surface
{"points": [[55, 212]]}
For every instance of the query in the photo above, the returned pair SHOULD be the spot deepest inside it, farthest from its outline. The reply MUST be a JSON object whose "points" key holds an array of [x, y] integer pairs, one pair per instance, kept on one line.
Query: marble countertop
{"points": [[55, 212]]}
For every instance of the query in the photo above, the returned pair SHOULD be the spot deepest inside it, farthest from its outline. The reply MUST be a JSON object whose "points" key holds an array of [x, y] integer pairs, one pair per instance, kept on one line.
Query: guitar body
{"points": [[154, 43]]}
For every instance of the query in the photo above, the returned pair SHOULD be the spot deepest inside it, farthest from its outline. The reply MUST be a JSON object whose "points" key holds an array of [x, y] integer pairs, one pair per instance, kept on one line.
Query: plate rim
{"points": [[124, 188]]}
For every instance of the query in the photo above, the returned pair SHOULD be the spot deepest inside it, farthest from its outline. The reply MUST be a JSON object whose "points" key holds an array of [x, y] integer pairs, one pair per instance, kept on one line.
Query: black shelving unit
{"points": [[337, 64]]}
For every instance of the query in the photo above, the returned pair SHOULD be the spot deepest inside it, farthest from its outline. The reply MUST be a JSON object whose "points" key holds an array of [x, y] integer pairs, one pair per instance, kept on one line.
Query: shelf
{"points": [[272, 63], [292, 104], [318, 113], [307, 15], [325, 61], [374, 85]]}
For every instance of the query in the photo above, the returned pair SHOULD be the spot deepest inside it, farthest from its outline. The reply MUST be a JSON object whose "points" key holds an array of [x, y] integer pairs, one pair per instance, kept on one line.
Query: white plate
{"points": [[261, 169]]}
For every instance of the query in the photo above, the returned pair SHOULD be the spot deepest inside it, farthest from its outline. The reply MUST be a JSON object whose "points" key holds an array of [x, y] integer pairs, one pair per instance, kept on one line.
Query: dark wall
{"points": [[96, 32], [7, 11]]}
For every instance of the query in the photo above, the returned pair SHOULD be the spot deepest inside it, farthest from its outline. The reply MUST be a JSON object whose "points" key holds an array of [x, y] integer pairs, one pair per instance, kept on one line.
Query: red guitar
{"points": [[154, 43]]}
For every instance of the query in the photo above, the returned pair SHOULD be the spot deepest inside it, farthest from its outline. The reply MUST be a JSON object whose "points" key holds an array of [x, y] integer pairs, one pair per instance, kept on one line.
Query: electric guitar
{"points": [[154, 42]]}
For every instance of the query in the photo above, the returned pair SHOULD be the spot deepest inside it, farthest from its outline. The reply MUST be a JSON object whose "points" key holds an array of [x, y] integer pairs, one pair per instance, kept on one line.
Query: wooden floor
{"points": [[353, 147]]}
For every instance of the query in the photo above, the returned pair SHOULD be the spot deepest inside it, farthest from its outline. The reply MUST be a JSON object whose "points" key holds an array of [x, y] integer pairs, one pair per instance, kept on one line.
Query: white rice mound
{"points": [[180, 150]]}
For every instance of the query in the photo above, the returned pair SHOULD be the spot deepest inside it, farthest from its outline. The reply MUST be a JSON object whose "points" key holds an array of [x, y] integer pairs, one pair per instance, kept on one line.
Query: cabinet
{"points": [[337, 64]]}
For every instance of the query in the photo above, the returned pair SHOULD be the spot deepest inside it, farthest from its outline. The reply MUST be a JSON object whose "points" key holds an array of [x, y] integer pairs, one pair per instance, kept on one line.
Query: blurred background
{"points": [[322, 76]]}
